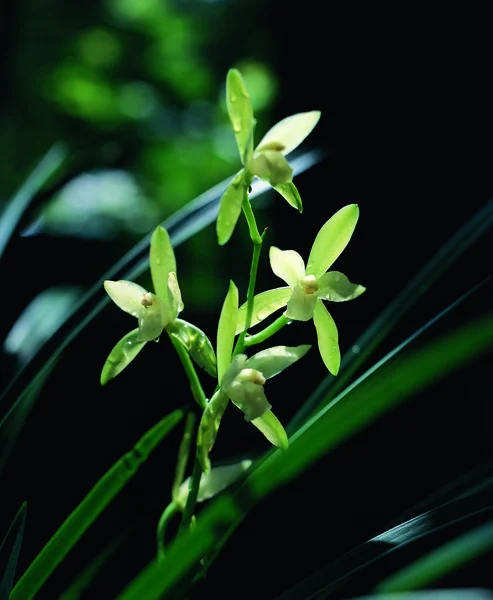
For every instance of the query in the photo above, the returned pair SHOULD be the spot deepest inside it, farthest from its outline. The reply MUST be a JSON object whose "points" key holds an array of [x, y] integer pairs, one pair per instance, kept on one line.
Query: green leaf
{"points": [[271, 427], [226, 330], [213, 482], [290, 193], [264, 305], [9, 552], [332, 239], [336, 287], [197, 344], [290, 132], [274, 360], [162, 262], [209, 426], [230, 208], [328, 338], [431, 567], [240, 113], [122, 355], [105, 490], [17, 205]]}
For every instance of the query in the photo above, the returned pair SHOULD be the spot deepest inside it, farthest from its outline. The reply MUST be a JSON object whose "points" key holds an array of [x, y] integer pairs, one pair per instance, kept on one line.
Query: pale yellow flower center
{"points": [[309, 284], [251, 375]]}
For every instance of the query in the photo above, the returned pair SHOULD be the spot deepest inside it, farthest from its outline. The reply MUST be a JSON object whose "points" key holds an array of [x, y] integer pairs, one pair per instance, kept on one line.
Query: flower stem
{"points": [[193, 492], [191, 373], [183, 453], [252, 223], [168, 512], [266, 333]]}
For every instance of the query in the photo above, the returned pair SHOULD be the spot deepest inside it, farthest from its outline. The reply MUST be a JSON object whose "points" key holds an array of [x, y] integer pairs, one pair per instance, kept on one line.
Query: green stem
{"points": [[252, 223], [266, 333], [183, 453], [193, 492], [186, 361], [168, 512]]}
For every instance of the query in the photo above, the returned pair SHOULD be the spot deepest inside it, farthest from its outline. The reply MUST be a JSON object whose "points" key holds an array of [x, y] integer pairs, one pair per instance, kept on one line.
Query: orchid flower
{"points": [[155, 312], [309, 286], [241, 380], [267, 161]]}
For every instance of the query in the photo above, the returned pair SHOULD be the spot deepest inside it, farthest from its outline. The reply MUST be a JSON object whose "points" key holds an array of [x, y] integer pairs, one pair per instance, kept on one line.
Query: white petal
{"points": [[287, 264], [127, 295], [288, 134]]}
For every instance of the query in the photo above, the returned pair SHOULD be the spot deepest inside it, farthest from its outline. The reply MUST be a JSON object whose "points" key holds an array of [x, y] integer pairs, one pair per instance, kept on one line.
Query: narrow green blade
{"points": [[162, 261], [240, 113], [17, 205], [105, 490], [9, 552]]}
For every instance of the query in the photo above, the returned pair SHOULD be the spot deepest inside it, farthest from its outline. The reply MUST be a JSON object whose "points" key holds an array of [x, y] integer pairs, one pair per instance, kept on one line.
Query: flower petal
{"points": [[213, 482], [270, 426], [301, 305], [196, 342], [271, 166], [230, 207], [328, 338], [174, 296], [151, 320], [264, 305], [290, 132], [209, 426], [272, 361], [162, 261], [240, 113], [332, 239], [287, 264], [127, 295], [290, 193], [122, 355], [250, 398], [336, 287], [226, 330]]}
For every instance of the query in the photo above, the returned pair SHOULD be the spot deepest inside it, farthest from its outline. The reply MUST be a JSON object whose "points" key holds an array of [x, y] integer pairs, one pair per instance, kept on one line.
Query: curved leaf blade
{"points": [[226, 330], [331, 240], [328, 338], [9, 552], [105, 490], [122, 355]]}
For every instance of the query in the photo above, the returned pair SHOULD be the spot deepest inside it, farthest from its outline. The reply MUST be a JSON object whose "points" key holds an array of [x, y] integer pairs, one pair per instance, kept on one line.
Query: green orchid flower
{"points": [[267, 161], [309, 286], [155, 312], [241, 380]]}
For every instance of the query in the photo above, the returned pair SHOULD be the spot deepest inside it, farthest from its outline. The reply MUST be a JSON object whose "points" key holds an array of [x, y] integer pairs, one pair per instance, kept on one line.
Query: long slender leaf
{"points": [[9, 552], [435, 565], [182, 225], [321, 434], [17, 205], [105, 490], [447, 255], [457, 594], [14, 421]]}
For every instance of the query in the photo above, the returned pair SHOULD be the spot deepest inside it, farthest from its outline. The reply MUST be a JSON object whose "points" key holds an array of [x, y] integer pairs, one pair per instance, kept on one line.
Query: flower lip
{"points": [[309, 284]]}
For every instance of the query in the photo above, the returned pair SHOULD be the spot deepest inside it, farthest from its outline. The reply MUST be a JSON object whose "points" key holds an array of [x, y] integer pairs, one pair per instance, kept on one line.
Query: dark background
{"points": [[406, 132]]}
